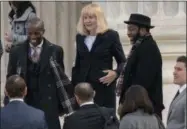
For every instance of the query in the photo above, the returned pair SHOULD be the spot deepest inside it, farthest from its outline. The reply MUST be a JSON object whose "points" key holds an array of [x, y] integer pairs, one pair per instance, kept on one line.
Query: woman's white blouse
{"points": [[89, 40]]}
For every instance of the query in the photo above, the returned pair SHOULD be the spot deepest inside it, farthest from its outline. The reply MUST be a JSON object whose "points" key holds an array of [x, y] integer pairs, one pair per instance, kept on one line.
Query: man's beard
{"points": [[135, 38]]}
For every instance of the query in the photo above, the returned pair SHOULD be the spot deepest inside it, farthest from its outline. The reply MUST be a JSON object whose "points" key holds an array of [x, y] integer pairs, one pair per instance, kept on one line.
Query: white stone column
{"points": [[5, 27], [140, 7], [150, 8], [181, 12], [63, 31], [113, 13], [37, 6], [68, 14], [73, 19], [160, 11], [48, 14], [171, 8]]}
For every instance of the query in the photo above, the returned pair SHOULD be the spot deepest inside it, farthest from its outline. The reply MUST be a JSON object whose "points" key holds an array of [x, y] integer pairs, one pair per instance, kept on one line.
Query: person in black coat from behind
{"points": [[96, 46], [89, 115], [144, 64]]}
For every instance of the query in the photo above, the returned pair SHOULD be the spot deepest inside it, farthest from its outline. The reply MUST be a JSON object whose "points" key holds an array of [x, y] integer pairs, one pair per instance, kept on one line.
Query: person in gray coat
{"points": [[21, 13], [177, 111], [136, 112]]}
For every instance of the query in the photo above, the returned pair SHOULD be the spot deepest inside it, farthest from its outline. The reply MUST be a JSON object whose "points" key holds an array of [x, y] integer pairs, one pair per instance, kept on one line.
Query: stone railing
{"points": [[168, 17]]}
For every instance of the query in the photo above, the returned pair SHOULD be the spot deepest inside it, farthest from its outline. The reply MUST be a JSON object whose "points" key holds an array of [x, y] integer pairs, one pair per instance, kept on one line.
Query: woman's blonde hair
{"points": [[92, 9]]}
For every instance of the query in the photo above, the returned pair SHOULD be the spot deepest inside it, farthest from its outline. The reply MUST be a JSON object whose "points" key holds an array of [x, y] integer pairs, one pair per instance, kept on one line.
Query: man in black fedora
{"points": [[144, 63]]}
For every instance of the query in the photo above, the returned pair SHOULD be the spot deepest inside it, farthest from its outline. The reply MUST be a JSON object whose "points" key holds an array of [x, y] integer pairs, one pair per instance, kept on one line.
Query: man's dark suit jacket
{"points": [[18, 115], [41, 84], [87, 117]]}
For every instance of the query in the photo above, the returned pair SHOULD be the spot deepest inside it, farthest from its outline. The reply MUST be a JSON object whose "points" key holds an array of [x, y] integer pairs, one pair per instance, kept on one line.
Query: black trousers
{"points": [[105, 95]]}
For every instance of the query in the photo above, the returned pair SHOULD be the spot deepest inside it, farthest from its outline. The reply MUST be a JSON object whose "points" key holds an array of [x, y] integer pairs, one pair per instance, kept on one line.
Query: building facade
{"points": [[61, 18]]}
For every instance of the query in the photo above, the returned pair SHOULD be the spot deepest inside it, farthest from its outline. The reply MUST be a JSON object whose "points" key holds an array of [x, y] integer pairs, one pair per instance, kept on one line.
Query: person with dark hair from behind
{"points": [[177, 111], [137, 111], [89, 115], [17, 114], [21, 12]]}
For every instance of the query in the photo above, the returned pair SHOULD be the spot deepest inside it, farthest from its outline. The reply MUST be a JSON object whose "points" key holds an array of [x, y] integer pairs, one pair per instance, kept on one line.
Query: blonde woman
{"points": [[96, 47]]}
